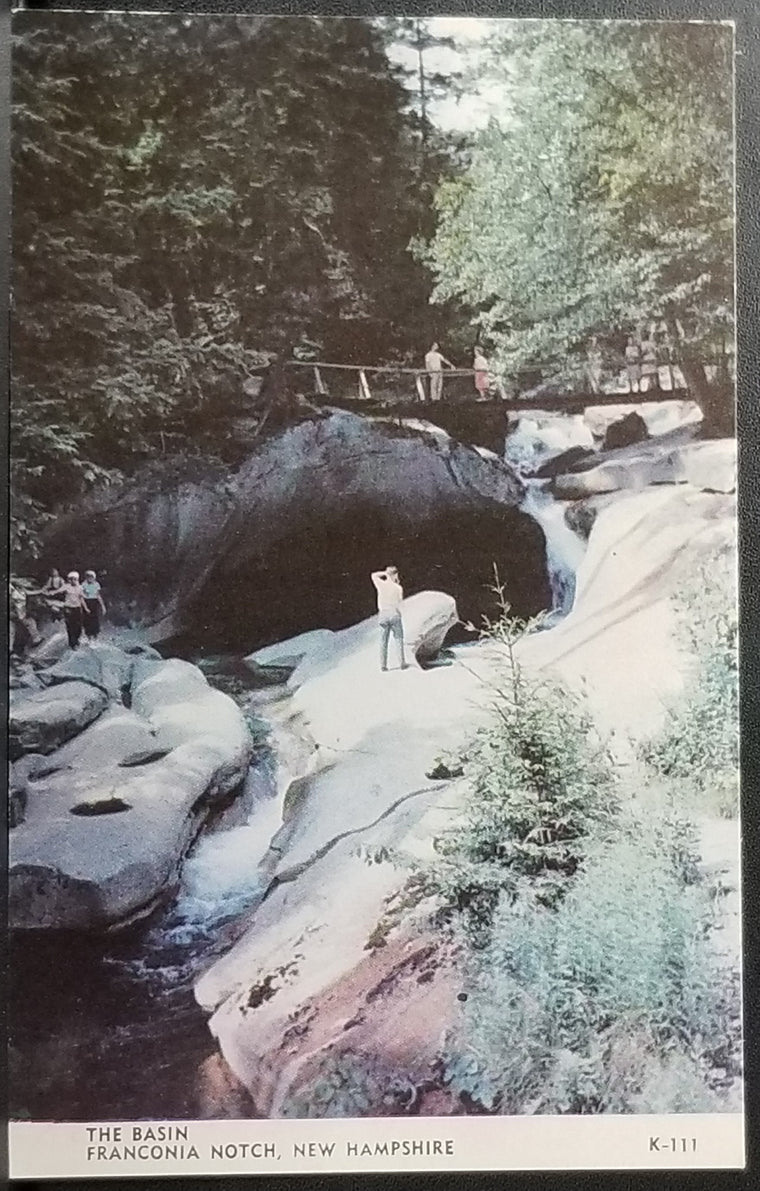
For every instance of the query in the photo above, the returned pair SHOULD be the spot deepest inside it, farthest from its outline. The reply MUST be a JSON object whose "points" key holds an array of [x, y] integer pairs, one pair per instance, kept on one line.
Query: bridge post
{"points": [[319, 383], [364, 391]]}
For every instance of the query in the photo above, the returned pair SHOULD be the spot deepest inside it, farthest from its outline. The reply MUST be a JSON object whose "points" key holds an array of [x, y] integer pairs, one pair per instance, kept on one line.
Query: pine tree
{"points": [[192, 197]]}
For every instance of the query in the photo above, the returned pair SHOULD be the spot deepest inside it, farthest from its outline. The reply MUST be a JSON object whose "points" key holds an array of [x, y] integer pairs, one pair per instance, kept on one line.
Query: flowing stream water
{"points": [[121, 1036], [108, 1028], [529, 445]]}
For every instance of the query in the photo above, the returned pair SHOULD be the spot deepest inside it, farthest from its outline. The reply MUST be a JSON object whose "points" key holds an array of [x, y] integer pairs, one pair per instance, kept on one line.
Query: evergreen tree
{"points": [[193, 196], [423, 83]]}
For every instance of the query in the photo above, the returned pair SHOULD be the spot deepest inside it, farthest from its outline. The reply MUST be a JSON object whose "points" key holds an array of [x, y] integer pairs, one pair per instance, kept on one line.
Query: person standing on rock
{"points": [[74, 608], [434, 363], [25, 632], [52, 590], [390, 594], [95, 608]]}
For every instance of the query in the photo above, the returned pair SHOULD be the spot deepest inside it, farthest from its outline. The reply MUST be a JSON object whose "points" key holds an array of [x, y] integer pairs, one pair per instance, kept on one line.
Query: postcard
{"points": [[373, 690]]}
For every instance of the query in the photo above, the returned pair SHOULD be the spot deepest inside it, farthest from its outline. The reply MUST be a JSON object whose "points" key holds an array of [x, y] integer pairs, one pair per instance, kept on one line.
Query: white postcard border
{"points": [[710, 1141]]}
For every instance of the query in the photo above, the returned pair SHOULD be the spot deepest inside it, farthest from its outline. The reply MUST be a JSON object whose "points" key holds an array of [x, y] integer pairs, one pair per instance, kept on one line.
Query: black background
{"points": [[746, 14]]}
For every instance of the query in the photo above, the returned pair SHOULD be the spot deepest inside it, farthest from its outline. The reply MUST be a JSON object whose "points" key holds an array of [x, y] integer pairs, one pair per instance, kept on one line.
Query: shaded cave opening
{"points": [[318, 575]]}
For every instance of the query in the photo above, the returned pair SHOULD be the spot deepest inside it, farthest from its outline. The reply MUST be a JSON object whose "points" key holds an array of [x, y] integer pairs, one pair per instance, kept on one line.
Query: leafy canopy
{"points": [[603, 197]]}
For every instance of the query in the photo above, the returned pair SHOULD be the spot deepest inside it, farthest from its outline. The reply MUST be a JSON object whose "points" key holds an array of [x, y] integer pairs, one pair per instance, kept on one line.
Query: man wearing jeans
{"points": [[390, 593]]}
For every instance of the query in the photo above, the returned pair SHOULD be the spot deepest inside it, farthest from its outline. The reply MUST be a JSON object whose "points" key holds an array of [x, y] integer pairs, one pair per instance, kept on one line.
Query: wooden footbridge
{"points": [[404, 391]]}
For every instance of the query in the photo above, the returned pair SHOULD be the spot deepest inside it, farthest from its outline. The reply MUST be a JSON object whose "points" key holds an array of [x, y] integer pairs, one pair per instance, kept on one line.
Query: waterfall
{"points": [[536, 438], [564, 549], [531, 443]]}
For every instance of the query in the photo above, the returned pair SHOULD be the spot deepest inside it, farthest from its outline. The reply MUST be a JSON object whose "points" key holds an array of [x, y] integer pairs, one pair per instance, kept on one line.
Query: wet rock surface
{"points": [[323, 970], [41, 721], [74, 865]]}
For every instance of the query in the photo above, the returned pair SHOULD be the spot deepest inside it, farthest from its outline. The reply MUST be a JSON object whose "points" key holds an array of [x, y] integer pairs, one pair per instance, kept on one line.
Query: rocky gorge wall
{"points": [[327, 961], [328, 967], [287, 542]]}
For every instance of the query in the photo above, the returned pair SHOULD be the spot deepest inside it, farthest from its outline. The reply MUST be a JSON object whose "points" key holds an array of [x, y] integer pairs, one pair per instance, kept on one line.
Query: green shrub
{"points": [[698, 749], [352, 1085], [570, 1009], [540, 779]]}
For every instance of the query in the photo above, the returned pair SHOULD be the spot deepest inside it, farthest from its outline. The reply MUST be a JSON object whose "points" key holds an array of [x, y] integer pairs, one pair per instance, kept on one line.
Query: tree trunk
{"points": [[715, 400], [423, 88]]}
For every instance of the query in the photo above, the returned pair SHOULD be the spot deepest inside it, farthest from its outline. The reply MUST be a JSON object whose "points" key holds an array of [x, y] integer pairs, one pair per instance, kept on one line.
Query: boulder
{"points": [[21, 677], [170, 682], [710, 466], [80, 665], [107, 826], [571, 460], [580, 515], [427, 618], [116, 668], [611, 476], [143, 667], [629, 430], [118, 733], [660, 417], [149, 537], [51, 650], [100, 663], [72, 871], [288, 543], [42, 721], [283, 657], [138, 649]]}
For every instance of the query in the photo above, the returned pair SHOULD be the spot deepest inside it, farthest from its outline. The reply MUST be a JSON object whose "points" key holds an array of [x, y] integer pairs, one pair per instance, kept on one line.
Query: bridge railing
{"points": [[391, 384]]}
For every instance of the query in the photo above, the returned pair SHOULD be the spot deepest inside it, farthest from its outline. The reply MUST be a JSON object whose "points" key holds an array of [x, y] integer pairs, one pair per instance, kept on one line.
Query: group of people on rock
{"points": [[435, 362], [79, 604]]}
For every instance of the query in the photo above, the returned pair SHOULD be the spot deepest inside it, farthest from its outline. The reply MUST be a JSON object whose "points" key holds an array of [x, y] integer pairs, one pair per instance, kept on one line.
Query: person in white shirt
{"points": [[390, 594], [74, 608], [434, 363], [91, 590]]}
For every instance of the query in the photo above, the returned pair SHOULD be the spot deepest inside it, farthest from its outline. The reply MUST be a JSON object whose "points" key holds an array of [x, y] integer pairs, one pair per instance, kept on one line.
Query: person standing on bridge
{"points": [[480, 366], [434, 363], [390, 594], [650, 377], [633, 364]]}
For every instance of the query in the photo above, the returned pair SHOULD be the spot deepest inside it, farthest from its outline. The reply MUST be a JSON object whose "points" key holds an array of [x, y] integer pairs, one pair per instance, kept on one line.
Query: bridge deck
{"points": [[563, 403]]}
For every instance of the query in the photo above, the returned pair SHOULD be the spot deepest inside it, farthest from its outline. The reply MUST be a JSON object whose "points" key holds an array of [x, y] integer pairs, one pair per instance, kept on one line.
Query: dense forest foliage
{"points": [[196, 196], [603, 198], [190, 197]]}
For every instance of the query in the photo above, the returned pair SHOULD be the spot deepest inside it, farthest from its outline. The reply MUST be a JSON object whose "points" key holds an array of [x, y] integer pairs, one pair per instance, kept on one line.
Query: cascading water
{"points": [[124, 1037], [564, 549], [531, 443]]}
